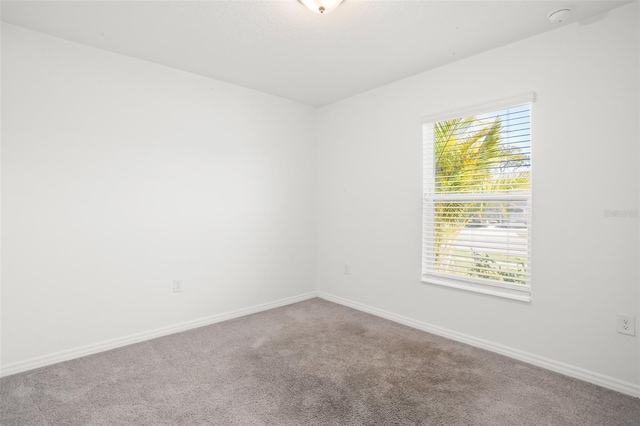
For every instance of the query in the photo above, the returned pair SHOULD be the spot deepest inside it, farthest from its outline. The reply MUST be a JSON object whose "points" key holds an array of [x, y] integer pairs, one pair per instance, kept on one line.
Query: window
{"points": [[477, 199]]}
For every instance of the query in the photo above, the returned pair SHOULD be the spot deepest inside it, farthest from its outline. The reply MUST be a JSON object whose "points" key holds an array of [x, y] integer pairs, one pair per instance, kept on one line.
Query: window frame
{"points": [[429, 199]]}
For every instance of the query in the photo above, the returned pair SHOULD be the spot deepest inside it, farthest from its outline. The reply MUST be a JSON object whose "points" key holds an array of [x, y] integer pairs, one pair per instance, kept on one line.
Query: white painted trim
{"points": [[478, 287], [608, 382], [493, 105], [44, 360], [627, 388]]}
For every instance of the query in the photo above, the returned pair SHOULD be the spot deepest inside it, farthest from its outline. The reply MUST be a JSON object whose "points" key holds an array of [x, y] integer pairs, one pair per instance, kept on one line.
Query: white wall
{"points": [[119, 175], [586, 139]]}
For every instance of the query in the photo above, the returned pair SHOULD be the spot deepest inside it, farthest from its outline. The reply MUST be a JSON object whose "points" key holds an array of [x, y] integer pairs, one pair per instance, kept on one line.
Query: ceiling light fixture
{"points": [[321, 6]]}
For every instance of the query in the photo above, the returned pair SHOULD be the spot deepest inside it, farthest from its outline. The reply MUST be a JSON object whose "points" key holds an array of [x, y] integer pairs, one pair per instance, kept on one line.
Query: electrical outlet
{"points": [[177, 286], [627, 325]]}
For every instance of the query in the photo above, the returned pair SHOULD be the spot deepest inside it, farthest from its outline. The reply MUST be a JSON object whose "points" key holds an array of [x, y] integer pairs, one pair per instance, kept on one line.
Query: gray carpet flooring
{"points": [[311, 363]]}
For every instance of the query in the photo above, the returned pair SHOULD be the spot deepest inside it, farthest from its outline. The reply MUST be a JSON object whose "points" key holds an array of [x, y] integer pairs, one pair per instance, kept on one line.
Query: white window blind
{"points": [[477, 200]]}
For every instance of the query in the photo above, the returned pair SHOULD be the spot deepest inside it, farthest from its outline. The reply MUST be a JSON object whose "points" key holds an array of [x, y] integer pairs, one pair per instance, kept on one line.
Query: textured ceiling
{"points": [[279, 47]]}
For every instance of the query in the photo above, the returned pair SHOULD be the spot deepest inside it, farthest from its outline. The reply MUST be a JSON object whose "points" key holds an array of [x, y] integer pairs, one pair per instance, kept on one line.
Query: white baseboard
{"points": [[42, 361], [621, 386], [627, 388]]}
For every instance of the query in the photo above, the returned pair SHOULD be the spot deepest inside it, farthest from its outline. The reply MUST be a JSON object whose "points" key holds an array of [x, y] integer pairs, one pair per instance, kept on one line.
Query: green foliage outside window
{"points": [[470, 157]]}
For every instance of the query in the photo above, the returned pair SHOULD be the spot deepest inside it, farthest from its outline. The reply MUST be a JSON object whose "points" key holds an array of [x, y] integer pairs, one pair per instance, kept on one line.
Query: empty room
{"points": [[320, 212]]}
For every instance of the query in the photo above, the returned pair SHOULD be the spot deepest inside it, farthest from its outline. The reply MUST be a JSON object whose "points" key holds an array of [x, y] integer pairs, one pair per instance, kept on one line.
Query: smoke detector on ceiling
{"points": [[559, 16]]}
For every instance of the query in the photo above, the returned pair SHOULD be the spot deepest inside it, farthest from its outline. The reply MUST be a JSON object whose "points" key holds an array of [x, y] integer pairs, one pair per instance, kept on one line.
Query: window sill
{"points": [[519, 295]]}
